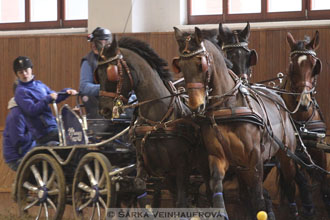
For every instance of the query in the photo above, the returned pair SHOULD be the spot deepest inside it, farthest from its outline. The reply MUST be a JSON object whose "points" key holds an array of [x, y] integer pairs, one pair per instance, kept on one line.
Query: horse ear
{"points": [[314, 44], [290, 40], [109, 48], [198, 35], [178, 33], [317, 68], [175, 65], [253, 58], [245, 34]]}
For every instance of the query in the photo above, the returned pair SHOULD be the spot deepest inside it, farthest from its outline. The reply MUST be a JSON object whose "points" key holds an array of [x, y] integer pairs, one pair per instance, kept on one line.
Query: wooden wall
{"points": [[56, 58]]}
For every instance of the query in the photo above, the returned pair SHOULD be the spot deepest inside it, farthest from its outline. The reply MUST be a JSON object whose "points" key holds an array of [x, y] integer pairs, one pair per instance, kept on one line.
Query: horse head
{"points": [[194, 62], [111, 74], [235, 45], [304, 68], [197, 59]]}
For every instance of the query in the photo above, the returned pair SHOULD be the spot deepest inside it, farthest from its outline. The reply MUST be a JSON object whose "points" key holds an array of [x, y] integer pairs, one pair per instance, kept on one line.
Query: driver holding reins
{"points": [[34, 97]]}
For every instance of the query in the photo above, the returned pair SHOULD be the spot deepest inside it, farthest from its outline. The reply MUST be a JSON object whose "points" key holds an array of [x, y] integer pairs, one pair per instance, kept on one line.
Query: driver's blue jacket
{"points": [[33, 98]]}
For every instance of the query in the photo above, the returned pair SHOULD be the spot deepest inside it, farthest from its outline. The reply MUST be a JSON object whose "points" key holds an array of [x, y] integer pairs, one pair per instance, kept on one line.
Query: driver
{"points": [[33, 97], [98, 38]]}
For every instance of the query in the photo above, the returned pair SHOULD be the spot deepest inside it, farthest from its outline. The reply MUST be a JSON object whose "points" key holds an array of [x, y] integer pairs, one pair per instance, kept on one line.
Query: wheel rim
{"points": [[41, 190], [92, 189]]}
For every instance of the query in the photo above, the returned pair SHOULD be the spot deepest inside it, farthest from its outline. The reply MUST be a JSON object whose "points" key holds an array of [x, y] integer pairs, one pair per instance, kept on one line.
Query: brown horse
{"points": [[240, 126], [164, 140], [301, 80], [235, 46]]}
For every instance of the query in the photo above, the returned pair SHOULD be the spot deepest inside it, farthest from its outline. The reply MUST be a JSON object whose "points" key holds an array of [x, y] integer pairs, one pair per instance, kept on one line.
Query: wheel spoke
{"points": [[44, 171], [97, 170], [29, 186], [93, 212], [52, 204], [90, 175], [37, 175], [84, 187], [46, 210], [101, 182], [85, 205], [102, 203], [103, 192], [53, 192], [31, 204], [51, 180], [39, 212], [98, 211]]}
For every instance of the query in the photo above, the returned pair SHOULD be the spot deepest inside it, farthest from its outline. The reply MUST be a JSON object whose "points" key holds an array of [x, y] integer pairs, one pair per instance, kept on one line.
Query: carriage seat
{"points": [[72, 131]]}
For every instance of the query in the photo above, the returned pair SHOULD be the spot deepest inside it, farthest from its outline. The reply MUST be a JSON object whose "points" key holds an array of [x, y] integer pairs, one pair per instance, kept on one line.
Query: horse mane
{"points": [[301, 44], [146, 52]]}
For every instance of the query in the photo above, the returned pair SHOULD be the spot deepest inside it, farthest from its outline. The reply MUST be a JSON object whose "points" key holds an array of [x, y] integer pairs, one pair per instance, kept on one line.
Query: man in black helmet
{"points": [[33, 97], [98, 38]]}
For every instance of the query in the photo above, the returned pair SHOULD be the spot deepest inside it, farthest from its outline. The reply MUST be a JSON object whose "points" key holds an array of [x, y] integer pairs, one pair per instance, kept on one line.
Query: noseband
{"points": [[115, 74]]}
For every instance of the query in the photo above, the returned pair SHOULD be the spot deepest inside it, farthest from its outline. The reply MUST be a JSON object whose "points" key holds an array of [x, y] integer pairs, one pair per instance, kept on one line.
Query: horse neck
{"points": [[149, 86], [221, 80]]}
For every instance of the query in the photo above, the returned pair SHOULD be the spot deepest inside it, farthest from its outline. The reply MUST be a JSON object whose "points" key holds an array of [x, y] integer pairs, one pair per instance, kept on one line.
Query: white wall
{"points": [[139, 15]]}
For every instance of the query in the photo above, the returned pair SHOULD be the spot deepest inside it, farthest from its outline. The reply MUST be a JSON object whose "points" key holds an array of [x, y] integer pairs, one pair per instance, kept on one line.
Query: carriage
{"points": [[77, 170]]}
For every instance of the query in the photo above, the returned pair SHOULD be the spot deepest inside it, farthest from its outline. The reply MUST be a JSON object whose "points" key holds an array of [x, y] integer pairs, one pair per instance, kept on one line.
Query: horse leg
{"points": [[287, 174], [141, 173], [182, 181], [252, 179], [305, 193], [217, 169], [325, 185], [269, 205], [140, 179]]}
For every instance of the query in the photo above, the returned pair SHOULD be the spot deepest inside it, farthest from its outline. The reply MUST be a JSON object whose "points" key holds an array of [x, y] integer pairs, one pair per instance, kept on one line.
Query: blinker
{"points": [[112, 73]]}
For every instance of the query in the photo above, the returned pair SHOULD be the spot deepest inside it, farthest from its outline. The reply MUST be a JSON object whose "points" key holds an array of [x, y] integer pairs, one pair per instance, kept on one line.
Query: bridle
{"points": [[237, 45], [205, 62], [115, 74], [309, 85]]}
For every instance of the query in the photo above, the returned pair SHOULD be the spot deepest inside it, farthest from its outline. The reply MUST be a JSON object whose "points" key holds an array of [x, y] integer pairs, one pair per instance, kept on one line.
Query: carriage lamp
{"points": [[117, 108]]}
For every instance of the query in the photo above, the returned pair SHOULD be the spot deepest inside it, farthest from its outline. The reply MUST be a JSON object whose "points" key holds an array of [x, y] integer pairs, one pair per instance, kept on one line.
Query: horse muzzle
{"points": [[306, 101], [196, 100]]}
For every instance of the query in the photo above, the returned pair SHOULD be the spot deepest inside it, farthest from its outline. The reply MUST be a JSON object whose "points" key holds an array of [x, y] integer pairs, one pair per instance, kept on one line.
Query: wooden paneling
{"points": [[56, 58]]}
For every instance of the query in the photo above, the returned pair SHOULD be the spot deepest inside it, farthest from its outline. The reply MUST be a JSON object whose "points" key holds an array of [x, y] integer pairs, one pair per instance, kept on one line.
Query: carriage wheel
{"points": [[92, 190], [41, 188]]}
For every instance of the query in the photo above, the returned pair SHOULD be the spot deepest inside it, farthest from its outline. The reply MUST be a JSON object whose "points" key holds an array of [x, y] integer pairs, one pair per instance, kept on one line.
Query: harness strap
{"points": [[195, 85], [112, 95]]}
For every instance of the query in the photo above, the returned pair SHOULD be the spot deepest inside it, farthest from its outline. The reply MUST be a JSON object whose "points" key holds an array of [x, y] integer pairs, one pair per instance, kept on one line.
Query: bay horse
{"points": [[240, 127], [234, 44], [235, 47], [165, 141], [303, 70]]}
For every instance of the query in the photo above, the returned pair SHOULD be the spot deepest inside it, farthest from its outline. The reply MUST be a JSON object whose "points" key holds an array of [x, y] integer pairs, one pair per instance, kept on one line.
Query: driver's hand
{"points": [[53, 95], [71, 92]]}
